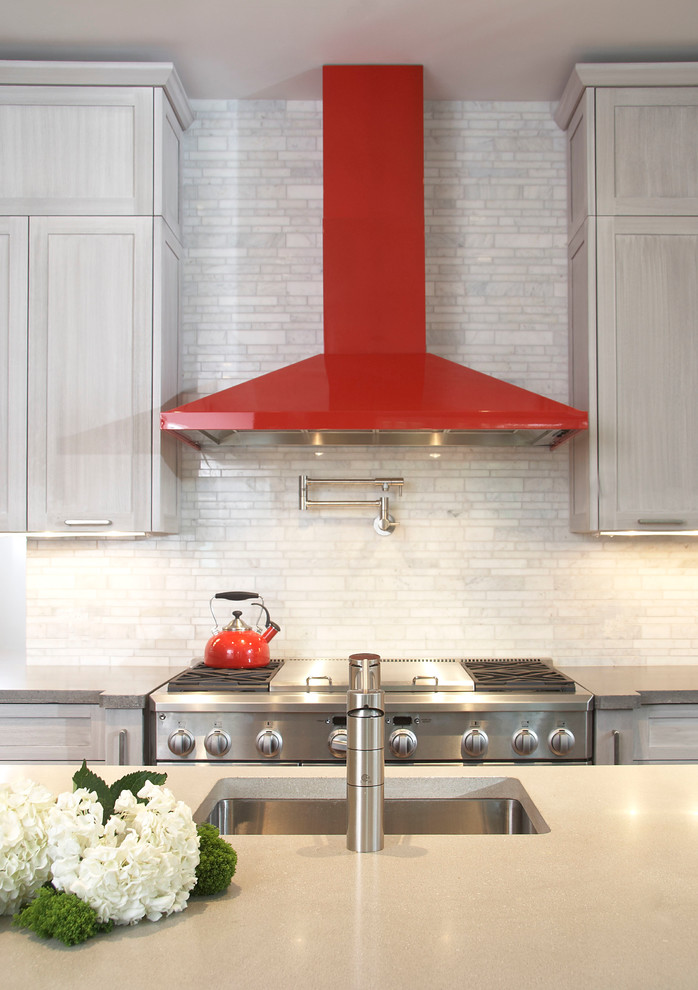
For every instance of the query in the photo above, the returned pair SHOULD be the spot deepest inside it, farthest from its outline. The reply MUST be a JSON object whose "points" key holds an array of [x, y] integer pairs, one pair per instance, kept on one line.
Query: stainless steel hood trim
{"points": [[381, 438]]}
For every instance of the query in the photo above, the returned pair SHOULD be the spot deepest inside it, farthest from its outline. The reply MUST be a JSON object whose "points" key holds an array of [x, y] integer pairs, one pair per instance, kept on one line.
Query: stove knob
{"points": [[181, 742], [474, 743], [561, 741], [217, 742], [338, 744], [269, 743], [403, 743], [525, 742]]}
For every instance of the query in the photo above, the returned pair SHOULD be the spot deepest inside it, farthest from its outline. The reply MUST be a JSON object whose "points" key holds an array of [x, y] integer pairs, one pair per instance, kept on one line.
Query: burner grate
{"points": [[221, 679], [516, 675]]}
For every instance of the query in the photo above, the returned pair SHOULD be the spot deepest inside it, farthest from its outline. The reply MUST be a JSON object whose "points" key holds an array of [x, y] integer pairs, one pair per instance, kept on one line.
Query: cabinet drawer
{"points": [[667, 733], [99, 141], [51, 733]]}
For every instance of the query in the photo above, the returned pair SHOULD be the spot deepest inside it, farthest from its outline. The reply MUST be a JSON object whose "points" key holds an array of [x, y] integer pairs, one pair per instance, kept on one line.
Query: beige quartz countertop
{"points": [[630, 687], [109, 687], [608, 898]]}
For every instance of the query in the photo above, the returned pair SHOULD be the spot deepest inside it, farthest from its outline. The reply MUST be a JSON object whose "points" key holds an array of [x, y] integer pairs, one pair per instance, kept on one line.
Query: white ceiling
{"points": [[256, 49]]}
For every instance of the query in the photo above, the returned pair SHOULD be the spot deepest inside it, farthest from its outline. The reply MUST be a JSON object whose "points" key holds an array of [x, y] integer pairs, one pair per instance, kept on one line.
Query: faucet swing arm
{"points": [[384, 523]]}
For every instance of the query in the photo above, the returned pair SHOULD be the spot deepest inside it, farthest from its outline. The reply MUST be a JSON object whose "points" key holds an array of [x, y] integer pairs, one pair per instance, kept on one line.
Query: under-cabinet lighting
{"points": [[98, 534], [650, 532]]}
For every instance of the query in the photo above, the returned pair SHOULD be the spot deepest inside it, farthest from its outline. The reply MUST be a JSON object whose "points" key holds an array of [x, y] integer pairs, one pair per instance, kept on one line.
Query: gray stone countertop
{"points": [[108, 687], [129, 686], [607, 898], [631, 687]]}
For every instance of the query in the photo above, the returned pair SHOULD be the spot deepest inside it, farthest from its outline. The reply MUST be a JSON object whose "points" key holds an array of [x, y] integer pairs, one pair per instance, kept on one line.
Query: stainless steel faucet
{"points": [[365, 759]]}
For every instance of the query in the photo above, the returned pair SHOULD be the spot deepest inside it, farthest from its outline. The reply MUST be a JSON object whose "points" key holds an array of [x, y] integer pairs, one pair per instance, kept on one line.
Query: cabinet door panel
{"points": [[51, 733], [98, 141], [13, 373], [581, 194], [582, 350], [667, 733], [168, 139], [166, 321], [648, 373], [90, 388], [647, 148]]}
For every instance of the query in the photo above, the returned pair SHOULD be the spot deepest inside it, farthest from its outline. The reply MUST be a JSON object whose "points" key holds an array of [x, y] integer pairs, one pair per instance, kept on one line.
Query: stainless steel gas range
{"points": [[436, 711]]}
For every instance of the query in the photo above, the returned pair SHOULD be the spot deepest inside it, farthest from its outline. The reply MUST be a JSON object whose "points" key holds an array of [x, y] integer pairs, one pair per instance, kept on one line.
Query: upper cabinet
{"points": [[633, 300], [89, 295]]}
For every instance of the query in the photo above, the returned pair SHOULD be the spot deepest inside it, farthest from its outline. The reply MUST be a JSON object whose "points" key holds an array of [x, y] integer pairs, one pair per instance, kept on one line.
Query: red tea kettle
{"points": [[237, 644]]}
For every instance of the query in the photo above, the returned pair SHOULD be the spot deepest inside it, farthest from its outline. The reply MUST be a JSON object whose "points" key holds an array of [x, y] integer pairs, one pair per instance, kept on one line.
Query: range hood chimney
{"points": [[375, 383]]}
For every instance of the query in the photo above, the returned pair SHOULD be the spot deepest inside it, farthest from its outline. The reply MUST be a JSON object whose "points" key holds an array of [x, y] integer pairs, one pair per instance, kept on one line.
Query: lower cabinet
{"points": [[58, 733], [648, 734]]}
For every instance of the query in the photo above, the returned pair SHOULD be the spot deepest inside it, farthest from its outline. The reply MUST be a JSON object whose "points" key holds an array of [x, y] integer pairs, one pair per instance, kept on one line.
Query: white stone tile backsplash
{"points": [[482, 561]]}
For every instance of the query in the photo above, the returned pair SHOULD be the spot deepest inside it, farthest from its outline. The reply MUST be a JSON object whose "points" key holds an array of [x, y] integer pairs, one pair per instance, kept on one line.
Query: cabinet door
{"points": [[90, 374], [614, 736], [13, 373], [76, 150], [166, 321], [581, 188], [646, 151], [648, 373], [124, 736], [584, 482], [168, 164]]}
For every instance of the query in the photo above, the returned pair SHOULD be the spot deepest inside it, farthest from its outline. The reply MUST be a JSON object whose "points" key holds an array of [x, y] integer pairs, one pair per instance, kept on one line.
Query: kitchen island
{"points": [[608, 897]]}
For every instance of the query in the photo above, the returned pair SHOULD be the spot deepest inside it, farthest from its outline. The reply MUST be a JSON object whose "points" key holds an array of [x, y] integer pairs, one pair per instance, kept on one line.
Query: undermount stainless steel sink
{"points": [[403, 816]]}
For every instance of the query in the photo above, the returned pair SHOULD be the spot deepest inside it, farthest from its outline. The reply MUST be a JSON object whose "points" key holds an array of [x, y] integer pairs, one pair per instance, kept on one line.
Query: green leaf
{"points": [[134, 781], [106, 794], [85, 777]]}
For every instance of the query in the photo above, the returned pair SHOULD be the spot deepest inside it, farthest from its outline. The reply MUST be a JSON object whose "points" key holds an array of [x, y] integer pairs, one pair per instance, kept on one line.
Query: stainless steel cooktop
{"points": [[436, 710]]}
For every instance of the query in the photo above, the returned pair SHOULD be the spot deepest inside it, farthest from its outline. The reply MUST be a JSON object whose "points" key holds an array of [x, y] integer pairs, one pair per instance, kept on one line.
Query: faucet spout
{"points": [[365, 754]]}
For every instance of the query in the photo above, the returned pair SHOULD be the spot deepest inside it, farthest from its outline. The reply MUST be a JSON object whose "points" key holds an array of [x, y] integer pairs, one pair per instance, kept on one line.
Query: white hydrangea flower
{"points": [[75, 825], [142, 863], [24, 856]]}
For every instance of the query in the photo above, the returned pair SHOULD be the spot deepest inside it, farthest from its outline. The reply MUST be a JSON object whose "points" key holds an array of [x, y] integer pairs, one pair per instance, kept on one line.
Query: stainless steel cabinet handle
{"points": [[616, 747], [87, 522], [123, 737]]}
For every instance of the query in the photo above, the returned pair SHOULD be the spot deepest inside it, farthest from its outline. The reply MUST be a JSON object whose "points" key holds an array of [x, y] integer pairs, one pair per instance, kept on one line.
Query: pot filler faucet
{"points": [[365, 759]]}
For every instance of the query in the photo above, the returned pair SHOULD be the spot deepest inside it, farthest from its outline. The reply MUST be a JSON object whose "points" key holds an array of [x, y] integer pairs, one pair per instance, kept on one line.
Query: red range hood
{"points": [[375, 382]]}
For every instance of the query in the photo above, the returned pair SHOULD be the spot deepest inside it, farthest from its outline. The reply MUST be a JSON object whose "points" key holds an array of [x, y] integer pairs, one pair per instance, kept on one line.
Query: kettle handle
{"points": [[241, 596], [237, 596]]}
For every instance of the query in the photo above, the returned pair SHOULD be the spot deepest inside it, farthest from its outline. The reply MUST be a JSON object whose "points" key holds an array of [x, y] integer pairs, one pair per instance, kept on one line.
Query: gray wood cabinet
{"points": [[633, 277], [96, 169], [71, 733], [89, 406], [648, 734]]}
